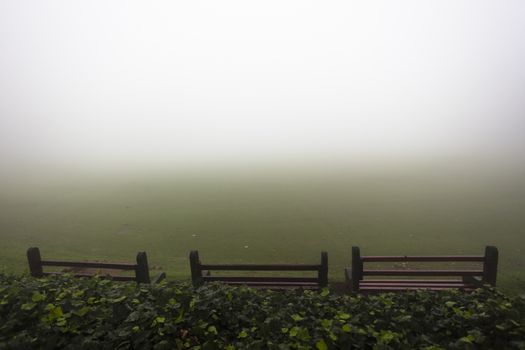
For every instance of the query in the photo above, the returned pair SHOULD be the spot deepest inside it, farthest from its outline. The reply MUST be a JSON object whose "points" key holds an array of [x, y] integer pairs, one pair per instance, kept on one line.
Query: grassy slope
{"points": [[284, 218]]}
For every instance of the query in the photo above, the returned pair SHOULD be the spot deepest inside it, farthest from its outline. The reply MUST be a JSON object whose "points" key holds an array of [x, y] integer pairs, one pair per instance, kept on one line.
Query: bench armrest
{"points": [[473, 280], [348, 279], [161, 276]]}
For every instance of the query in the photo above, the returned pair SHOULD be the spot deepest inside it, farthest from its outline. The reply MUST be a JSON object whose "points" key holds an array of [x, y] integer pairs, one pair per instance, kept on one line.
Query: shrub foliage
{"points": [[62, 312]]}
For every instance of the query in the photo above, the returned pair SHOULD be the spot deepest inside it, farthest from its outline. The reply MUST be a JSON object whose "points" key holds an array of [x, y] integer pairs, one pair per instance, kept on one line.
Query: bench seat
{"points": [[201, 273], [275, 285], [392, 285], [109, 270], [359, 279]]}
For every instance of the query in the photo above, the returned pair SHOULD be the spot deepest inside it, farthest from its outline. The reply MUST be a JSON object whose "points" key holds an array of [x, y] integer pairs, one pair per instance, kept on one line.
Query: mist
{"points": [[262, 132], [94, 86]]}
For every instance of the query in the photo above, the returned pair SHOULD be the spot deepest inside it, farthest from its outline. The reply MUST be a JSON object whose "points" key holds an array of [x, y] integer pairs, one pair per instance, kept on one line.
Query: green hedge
{"points": [[62, 312]]}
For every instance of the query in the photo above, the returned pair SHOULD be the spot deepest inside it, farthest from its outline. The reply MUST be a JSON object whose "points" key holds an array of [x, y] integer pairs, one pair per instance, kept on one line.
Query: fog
{"points": [[116, 84]]}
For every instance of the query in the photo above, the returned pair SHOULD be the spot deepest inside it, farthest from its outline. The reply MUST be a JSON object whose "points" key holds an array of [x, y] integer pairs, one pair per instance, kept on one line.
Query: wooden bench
{"points": [[409, 278], [90, 269], [201, 273]]}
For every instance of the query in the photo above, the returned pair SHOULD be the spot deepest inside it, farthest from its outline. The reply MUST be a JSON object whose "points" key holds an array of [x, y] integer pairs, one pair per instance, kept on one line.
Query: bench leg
{"points": [[35, 262], [160, 277], [357, 269], [142, 271], [490, 267], [195, 266], [323, 271], [348, 279]]}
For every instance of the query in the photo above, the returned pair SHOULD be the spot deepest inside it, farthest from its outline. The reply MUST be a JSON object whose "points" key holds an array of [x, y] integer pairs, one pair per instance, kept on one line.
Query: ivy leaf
{"points": [[54, 311], [297, 317], [468, 339], [133, 317], [303, 334], [78, 293], [213, 330], [321, 345], [27, 306], [294, 331], [326, 324], [38, 297], [118, 300], [343, 316], [242, 335], [82, 311], [385, 337]]}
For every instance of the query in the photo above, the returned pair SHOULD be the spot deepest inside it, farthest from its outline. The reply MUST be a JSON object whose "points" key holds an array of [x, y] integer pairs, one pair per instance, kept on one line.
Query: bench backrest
{"points": [[141, 269], [487, 273], [198, 277]]}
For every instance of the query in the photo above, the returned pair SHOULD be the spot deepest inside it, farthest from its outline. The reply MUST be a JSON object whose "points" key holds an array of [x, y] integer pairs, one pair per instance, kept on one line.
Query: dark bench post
{"points": [[357, 268], [490, 266], [323, 270], [142, 270], [196, 272], [35, 262]]}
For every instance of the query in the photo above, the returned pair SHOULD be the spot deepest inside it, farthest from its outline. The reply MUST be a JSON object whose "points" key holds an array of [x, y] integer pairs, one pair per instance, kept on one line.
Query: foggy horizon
{"points": [[122, 85], [262, 133]]}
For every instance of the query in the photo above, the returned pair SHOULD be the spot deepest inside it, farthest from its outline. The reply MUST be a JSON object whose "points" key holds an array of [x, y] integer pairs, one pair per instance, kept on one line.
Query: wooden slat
{"points": [[277, 288], [89, 264], [396, 289], [414, 285], [443, 258], [366, 281], [423, 272], [281, 287], [260, 279], [276, 284], [74, 275], [123, 278], [115, 278], [254, 267]]}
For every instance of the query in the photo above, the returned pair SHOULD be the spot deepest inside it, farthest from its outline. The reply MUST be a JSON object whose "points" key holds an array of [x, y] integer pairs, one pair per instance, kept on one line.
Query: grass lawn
{"points": [[286, 216]]}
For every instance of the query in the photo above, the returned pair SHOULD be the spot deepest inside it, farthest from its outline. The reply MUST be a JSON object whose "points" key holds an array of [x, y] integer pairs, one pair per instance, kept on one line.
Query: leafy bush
{"points": [[62, 312]]}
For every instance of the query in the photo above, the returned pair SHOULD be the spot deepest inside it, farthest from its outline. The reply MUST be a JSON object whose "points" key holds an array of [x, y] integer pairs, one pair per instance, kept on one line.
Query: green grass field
{"points": [[286, 216]]}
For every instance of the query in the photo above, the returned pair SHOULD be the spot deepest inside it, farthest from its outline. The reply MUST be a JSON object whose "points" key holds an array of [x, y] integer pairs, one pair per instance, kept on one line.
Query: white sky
{"points": [[168, 81]]}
